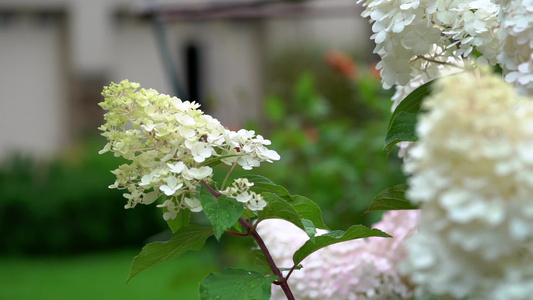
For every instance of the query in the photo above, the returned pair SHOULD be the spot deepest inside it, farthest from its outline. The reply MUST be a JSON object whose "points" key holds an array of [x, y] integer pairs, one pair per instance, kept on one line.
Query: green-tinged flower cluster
{"points": [[240, 190], [171, 145]]}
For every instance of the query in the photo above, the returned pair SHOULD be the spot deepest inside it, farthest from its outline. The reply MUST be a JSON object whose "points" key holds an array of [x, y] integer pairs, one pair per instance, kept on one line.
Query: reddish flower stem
{"points": [[282, 282], [211, 189], [251, 231], [290, 272], [236, 233]]}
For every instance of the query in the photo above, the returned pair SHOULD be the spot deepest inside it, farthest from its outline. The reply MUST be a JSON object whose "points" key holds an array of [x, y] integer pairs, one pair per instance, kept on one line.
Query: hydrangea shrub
{"points": [[172, 147], [463, 117]]}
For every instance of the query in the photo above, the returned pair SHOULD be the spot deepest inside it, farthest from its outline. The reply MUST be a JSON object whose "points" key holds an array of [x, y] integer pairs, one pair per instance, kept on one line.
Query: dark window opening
{"points": [[193, 73]]}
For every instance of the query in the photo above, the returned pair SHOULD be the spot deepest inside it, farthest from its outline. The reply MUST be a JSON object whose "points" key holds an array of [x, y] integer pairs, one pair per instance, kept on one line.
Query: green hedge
{"points": [[64, 206]]}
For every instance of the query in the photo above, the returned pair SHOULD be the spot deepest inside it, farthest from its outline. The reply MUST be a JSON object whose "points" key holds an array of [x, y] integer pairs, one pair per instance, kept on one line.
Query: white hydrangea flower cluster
{"points": [[170, 144], [516, 34], [417, 37], [364, 269], [472, 172], [240, 190]]}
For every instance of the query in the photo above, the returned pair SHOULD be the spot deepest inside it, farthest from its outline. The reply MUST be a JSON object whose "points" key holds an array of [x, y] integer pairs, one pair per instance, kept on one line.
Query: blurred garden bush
{"points": [[64, 206], [327, 118]]}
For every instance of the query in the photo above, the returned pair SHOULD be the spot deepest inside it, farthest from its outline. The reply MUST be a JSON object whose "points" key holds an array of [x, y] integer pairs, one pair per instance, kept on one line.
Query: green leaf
{"points": [[182, 219], [222, 212], [265, 184], [403, 120], [275, 109], [188, 238], [403, 128], [261, 262], [392, 198], [309, 228], [298, 267], [248, 214], [304, 207], [236, 284], [307, 209], [334, 237], [278, 208], [413, 102], [304, 91], [215, 160]]}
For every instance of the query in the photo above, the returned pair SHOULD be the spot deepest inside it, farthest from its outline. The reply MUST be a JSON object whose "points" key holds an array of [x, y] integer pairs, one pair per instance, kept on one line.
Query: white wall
{"points": [[32, 87], [134, 55], [233, 64]]}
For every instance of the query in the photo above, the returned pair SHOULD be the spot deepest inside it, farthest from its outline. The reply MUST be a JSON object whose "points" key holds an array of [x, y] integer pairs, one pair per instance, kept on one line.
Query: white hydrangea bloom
{"points": [[472, 172], [171, 187], [516, 35], [193, 204], [172, 209], [170, 144], [257, 202], [416, 38], [240, 190], [360, 269]]}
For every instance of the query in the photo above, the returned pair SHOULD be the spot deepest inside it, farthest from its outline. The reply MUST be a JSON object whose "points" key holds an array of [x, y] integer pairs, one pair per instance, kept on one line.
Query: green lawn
{"points": [[102, 276]]}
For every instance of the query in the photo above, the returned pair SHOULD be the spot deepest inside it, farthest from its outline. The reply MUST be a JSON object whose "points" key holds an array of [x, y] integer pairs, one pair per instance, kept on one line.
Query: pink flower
{"points": [[359, 269]]}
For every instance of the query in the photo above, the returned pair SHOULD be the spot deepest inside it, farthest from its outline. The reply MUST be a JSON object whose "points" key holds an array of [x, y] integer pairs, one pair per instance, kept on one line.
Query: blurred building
{"points": [[55, 56]]}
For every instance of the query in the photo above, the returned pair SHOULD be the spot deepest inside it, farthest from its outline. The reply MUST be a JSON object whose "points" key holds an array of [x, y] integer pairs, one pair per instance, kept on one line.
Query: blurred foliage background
{"points": [[325, 115], [65, 207]]}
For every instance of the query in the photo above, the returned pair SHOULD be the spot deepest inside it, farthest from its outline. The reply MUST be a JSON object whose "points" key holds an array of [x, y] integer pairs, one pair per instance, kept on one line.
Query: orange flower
{"points": [[374, 73], [342, 63]]}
